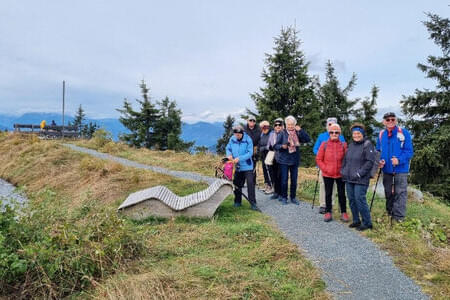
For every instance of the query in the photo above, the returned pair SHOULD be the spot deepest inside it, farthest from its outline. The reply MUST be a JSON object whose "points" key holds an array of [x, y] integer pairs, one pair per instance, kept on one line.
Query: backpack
{"points": [[374, 169], [400, 136], [228, 170]]}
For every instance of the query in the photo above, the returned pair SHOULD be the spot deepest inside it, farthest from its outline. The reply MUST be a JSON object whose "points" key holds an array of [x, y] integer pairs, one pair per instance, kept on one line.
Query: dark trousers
{"points": [[329, 191], [396, 202], [238, 181], [266, 169], [356, 194], [276, 177], [285, 170]]}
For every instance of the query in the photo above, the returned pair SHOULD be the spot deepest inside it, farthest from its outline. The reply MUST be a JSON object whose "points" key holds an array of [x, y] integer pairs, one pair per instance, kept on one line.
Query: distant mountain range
{"points": [[203, 133]]}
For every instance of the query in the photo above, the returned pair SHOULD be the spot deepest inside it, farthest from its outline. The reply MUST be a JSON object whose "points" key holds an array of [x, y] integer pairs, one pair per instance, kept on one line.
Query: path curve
{"points": [[352, 266]]}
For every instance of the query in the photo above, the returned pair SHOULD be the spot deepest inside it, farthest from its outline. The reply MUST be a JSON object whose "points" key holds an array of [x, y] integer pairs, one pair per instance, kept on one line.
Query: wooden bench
{"points": [[159, 201], [49, 131]]}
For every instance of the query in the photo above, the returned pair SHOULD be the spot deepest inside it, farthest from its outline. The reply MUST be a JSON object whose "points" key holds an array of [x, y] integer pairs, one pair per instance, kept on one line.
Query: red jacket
{"points": [[329, 158]]}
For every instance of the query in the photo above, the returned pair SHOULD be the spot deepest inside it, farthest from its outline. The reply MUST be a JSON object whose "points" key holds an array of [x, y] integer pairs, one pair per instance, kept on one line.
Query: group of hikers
{"points": [[350, 166]]}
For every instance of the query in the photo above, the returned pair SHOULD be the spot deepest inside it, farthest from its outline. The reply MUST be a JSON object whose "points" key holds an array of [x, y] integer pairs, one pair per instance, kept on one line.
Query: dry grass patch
{"points": [[181, 161]]}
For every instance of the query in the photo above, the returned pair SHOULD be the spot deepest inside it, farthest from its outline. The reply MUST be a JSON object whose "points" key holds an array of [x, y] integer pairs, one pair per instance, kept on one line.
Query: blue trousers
{"points": [[356, 194], [285, 170]]}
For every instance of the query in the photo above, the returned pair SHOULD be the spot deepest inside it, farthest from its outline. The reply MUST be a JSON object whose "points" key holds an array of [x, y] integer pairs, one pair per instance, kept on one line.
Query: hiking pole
{"points": [[315, 189], [392, 191], [375, 189]]}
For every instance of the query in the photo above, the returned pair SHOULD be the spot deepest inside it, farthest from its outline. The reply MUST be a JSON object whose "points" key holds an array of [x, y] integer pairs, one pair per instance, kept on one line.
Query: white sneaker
{"points": [[269, 190]]}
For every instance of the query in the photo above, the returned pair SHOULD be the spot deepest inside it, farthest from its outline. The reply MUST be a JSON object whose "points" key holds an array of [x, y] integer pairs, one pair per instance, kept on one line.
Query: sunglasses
{"points": [[252, 120], [237, 131], [335, 132], [390, 119], [277, 125]]}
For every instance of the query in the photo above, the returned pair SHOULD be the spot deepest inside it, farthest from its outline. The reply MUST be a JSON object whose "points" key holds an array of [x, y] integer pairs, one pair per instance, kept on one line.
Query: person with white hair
{"points": [[329, 159], [288, 145], [323, 137]]}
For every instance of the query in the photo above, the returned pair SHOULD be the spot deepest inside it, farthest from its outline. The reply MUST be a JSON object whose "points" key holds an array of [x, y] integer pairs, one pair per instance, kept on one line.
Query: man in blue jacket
{"points": [[396, 149], [239, 150], [323, 137]]}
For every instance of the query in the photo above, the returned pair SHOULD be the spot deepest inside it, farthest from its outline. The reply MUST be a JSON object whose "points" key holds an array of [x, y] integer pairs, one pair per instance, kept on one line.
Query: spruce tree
{"points": [[168, 127], [288, 89], [141, 123], [79, 119], [428, 112], [228, 132], [366, 114], [334, 100]]}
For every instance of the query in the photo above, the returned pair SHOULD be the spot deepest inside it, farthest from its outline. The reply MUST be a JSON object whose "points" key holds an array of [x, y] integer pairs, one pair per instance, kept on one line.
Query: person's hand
{"points": [[394, 161], [236, 160], [285, 146], [298, 128], [381, 163]]}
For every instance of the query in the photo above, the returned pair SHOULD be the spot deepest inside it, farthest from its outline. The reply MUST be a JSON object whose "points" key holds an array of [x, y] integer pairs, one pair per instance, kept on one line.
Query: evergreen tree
{"points": [[288, 90], [366, 114], [228, 132], [428, 114], [79, 119], [334, 101], [141, 123], [168, 127], [88, 130]]}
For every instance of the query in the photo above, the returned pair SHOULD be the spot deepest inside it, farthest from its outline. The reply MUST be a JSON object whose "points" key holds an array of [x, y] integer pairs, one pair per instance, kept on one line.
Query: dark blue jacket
{"points": [[283, 156], [243, 149], [398, 145], [358, 162]]}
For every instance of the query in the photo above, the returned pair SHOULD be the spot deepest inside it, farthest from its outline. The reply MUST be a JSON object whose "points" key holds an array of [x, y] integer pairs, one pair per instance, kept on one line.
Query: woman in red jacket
{"points": [[329, 159]]}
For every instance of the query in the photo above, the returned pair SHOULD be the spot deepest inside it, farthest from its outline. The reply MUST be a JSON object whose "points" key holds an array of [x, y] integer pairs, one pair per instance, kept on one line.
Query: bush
{"points": [[47, 253]]}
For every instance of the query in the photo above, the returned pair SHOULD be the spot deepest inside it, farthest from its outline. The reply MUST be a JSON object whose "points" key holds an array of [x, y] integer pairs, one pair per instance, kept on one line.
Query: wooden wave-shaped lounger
{"points": [[159, 201]]}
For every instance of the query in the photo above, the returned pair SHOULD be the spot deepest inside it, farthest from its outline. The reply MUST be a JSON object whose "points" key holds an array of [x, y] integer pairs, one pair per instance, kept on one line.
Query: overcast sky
{"points": [[206, 55]]}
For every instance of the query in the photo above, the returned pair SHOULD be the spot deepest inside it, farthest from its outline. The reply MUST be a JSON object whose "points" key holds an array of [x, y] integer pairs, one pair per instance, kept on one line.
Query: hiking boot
{"points": [[364, 227], [355, 225], [344, 217], [237, 204], [295, 201], [274, 196], [284, 201], [269, 190], [255, 208], [328, 217], [321, 210]]}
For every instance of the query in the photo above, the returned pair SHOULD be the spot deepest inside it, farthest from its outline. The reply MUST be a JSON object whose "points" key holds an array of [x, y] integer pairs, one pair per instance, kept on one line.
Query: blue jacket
{"points": [[242, 149], [398, 146], [282, 156], [323, 137]]}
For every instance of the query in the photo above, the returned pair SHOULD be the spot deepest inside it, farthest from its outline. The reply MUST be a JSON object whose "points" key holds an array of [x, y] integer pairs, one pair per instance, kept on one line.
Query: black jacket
{"points": [[358, 162], [254, 133]]}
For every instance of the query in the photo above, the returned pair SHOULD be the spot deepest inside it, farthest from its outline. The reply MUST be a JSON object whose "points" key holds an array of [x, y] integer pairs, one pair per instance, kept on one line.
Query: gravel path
{"points": [[352, 266]]}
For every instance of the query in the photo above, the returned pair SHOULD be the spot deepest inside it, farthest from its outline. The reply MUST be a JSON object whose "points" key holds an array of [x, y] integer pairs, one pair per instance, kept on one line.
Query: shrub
{"points": [[48, 253]]}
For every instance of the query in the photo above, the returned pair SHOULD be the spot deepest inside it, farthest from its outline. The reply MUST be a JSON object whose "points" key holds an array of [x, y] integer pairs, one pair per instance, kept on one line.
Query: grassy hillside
{"points": [[71, 242], [419, 246]]}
